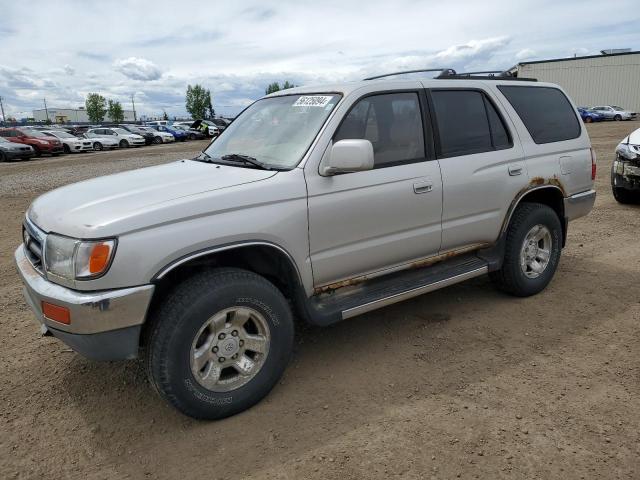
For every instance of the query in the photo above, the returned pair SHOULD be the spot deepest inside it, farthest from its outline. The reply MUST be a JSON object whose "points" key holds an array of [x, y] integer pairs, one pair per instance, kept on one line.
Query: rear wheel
{"points": [[588, 120], [192, 136], [219, 343], [97, 146], [532, 250], [3, 158], [124, 144]]}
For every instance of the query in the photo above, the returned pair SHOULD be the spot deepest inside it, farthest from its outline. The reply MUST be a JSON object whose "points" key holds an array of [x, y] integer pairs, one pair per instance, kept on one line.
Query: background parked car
{"points": [[70, 143], [148, 136], [613, 112], [179, 135], [12, 151], [102, 142], [159, 137], [192, 134], [40, 142], [125, 139], [211, 128], [589, 116]]}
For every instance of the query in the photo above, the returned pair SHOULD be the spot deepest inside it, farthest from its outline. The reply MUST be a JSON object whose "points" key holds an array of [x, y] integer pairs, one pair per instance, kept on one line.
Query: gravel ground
{"points": [[461, 383]]}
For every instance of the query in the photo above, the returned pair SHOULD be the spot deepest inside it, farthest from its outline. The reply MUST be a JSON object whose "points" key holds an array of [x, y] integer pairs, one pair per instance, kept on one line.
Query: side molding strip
{"points": [[414, 292]]}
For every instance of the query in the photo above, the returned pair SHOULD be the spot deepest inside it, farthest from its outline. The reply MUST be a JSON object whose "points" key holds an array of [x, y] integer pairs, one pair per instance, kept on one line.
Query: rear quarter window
{"points": [[545, 111]]}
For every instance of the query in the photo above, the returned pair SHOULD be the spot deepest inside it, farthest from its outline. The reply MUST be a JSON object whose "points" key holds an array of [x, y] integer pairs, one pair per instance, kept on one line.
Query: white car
{"points": [[613, 112], [125, 139], [70, 143], [160, 137], [102, 143]]}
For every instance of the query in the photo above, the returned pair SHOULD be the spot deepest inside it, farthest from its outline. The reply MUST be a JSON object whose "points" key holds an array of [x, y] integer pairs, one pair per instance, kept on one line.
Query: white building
{"points": [[612, 78], [72, 115]]}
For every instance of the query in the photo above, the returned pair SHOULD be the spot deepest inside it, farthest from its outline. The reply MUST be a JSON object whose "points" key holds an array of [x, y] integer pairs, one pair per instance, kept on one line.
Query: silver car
{"points": [[321, 203], [613, 112]]}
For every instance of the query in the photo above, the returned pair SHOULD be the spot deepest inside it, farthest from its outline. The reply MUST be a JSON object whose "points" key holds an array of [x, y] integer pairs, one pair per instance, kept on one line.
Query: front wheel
{"points": [[124, 144], [157, 140], [219, 343], [617, 118], [532, 250], [588, 120]]}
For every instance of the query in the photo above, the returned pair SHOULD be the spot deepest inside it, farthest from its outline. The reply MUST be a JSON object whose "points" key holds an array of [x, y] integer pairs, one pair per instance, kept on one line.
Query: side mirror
{"points": [[346, 156]]}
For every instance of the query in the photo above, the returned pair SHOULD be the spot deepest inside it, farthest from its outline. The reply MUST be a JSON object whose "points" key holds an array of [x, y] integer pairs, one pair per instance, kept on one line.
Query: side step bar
{"points": [[414, 292], [349, 301]]}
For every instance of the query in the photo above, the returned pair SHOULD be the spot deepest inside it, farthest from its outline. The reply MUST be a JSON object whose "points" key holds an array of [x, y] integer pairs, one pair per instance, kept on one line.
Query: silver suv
{"points": [[320, 203]]}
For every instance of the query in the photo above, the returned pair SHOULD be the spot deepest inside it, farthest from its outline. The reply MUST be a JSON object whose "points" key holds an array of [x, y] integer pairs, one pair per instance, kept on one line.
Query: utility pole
{"points": [[4, 119], [135, 118], [46, 112]]}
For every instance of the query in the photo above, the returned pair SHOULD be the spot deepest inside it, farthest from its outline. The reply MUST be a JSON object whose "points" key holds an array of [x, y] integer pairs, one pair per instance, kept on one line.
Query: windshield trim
{"points": [[314, 141]]}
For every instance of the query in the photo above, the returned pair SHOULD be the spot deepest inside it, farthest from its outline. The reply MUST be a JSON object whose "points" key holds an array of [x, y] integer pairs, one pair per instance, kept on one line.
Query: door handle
{"points": [[422, 187], [515, 170]]}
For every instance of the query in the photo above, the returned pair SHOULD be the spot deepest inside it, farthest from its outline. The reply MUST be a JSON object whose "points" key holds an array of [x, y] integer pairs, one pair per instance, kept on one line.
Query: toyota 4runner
{"points": [[317, 202]]}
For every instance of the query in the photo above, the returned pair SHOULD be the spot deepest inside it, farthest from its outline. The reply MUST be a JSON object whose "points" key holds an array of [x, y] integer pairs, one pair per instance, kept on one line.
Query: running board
{"points": [[350, 301]]}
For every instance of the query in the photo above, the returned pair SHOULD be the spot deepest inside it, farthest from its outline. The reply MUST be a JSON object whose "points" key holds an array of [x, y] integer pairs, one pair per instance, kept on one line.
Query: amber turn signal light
{"points": [[56, 313]]}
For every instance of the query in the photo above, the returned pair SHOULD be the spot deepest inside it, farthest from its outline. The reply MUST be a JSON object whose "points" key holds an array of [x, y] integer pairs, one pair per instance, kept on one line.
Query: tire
{"points": [[617, 118], [38, 152], [512, 278], [192, 136], [66, 148], [177, 327], [3, 158], [97, 146], [123, 144], [622, 195], [157, 140], [588, 120]]}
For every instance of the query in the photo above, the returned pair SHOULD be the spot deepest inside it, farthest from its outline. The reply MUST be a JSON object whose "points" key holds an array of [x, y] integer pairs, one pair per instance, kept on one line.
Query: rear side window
{"points": [[468, 123], [545, 111], [392, 123]]}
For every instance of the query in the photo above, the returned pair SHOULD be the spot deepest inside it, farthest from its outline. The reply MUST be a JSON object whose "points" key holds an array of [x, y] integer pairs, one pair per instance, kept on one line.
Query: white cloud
{"points": [[138, 69], [525, 53], [69, 70]]}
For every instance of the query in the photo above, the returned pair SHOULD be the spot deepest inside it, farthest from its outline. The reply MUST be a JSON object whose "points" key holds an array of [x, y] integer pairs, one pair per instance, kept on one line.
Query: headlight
{"points": [[73, 259], [625, 152]]}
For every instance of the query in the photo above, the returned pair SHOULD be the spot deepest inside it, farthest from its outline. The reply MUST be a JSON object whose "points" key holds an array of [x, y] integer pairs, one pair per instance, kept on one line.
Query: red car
{"points": [[40, 142]]}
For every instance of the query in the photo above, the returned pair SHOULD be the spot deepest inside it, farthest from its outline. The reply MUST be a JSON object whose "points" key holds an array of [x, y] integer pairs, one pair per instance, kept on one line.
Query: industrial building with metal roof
{"points": [[611, 78]]}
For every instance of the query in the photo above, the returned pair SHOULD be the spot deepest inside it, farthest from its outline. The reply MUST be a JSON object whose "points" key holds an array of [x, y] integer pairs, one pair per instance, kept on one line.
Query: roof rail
{"points": [[443, 71], [485, 75]]}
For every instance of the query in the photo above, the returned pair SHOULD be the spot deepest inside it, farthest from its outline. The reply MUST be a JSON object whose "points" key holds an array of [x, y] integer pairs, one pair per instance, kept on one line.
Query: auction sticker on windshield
{"points": [[312, 101]]}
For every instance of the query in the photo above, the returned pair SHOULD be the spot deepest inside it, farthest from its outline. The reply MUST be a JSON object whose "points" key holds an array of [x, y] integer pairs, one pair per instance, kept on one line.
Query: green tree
{"points": [[275, 87], [272, 87], [96, 106], [211, 113], [115, 112], [197, 101]]}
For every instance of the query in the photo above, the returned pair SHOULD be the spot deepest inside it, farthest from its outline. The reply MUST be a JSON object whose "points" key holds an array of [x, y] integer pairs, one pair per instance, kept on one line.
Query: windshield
{"points": [[33, 133], [62, 135], [617, 108], [276, 130]]}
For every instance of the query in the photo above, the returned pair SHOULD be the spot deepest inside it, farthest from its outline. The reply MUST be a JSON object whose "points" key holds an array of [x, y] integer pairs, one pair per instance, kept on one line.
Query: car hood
{"points": [[633, 138], [116, 204]]}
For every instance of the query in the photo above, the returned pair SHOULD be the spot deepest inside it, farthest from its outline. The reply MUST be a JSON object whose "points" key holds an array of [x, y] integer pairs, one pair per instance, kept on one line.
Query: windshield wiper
{"points": [[234, 157]]}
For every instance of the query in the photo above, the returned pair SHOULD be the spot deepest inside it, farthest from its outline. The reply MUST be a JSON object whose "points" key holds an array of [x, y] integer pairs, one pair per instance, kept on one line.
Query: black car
{"points": [[149, 137], [12, 151]]}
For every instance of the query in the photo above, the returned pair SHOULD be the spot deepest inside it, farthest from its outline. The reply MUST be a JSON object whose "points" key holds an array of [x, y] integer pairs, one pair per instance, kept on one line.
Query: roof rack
{"points": [[449, 71], [451, 74]]}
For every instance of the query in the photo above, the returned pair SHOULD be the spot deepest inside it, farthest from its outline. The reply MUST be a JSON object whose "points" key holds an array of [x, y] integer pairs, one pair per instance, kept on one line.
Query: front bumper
{"points": [[579, 205], [20, 154], [105, 325]]}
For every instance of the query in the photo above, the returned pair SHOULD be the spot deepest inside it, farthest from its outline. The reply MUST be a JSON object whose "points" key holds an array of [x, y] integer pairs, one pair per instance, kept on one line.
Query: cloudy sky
{"points": [[64, 49]]}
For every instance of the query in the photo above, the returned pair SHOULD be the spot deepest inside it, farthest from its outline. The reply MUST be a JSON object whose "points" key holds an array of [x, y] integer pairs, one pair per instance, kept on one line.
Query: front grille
{"points": [[33, 239]]}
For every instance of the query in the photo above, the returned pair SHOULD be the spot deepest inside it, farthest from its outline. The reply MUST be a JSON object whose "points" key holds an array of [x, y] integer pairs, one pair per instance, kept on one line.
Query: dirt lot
{"points": [[465, 382]]}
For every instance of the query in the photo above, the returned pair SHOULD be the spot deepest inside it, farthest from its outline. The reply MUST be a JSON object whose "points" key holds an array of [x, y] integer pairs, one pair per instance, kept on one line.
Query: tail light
{"points": [[593, 164]]}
